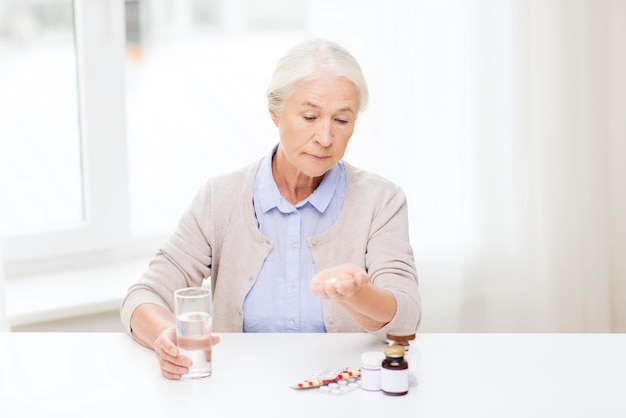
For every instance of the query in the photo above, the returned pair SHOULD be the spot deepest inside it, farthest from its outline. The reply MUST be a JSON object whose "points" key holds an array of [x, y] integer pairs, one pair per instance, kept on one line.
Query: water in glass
{"points": [[193, 333]]}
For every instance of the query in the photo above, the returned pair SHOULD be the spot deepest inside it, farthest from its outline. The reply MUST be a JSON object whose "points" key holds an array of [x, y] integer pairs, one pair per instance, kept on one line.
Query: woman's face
{"points": [[316, 124]]}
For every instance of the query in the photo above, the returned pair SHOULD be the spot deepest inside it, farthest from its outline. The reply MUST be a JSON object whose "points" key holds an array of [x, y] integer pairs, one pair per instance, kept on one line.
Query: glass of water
{"points": [[193, 311]]}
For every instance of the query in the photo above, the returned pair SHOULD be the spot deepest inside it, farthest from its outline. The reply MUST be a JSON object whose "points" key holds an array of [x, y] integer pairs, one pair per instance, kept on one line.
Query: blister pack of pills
{"points": [[332, 381]]}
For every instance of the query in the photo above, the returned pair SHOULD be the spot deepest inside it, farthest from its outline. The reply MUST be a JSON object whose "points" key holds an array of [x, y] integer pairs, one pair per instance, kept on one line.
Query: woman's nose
{"points": [[325, 135]]}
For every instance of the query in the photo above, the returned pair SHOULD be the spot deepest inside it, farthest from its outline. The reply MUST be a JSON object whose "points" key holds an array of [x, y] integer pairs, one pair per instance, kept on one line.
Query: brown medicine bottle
{"points": [[406, 338], [394, 373]]}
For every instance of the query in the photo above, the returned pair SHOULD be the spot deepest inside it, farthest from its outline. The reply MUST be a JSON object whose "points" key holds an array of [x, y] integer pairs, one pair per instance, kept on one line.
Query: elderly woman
{"points": [[299, 241]]}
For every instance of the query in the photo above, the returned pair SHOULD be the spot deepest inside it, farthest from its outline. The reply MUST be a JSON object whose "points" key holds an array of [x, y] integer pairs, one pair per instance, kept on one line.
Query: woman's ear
{"points": [[274, 116]]}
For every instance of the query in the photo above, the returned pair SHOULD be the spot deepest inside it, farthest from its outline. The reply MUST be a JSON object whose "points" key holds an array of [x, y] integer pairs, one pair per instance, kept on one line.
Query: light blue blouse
{"points": [[280, 300]]}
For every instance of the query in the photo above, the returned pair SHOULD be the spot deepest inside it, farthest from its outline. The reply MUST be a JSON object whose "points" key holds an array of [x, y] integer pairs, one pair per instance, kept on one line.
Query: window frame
{"points": [[100, 51]]}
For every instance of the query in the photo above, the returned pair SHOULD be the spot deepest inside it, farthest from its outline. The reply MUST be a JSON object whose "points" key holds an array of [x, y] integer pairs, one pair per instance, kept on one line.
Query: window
{"points": [[65, 162], [119, 110], [40, 160]]}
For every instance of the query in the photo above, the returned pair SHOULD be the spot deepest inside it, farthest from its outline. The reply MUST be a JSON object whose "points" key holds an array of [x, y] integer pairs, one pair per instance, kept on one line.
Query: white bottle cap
{"points": [[372, 359]]}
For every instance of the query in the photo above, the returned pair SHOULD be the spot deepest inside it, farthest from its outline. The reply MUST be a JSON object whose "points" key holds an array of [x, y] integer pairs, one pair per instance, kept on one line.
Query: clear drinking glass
{"points": [[193, 310]]}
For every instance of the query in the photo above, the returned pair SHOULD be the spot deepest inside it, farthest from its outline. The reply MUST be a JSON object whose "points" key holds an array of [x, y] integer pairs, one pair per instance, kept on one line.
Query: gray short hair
{"points": [[305, 62]]}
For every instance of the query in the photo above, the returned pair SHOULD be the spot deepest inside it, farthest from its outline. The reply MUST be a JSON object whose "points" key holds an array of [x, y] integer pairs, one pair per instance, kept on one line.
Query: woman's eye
{"points": [[342, 121], [309, 118]]}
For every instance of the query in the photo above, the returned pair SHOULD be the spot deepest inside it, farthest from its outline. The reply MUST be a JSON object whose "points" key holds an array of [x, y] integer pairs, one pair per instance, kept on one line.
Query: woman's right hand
{"points": [[149, 320], [172, 364]]}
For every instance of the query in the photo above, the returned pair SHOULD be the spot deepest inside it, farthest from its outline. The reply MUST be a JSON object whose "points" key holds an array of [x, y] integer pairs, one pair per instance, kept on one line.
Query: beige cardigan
{"points": [[218, 237]]}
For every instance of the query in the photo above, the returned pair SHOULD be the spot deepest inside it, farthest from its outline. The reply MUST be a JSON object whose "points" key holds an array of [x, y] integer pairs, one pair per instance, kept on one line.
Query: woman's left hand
{"points": [[339, 282]]}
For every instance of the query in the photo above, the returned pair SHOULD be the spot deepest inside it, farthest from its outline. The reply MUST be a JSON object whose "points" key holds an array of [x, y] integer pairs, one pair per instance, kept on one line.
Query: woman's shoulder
{"points": [[358, 177], [227, 187], [236, 178]]}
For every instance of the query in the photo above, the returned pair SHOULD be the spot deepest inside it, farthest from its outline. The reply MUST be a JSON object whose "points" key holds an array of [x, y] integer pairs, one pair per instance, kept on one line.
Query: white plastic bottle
{"points": [[371, 363]]}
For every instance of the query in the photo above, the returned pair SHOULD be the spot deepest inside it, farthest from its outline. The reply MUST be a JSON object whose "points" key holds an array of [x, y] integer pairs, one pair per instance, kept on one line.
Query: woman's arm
{"points": [[148, 322]]}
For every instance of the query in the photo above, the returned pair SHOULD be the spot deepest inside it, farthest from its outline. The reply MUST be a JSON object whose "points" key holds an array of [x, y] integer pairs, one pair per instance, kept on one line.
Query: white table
{"points": [[460, 375]]}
